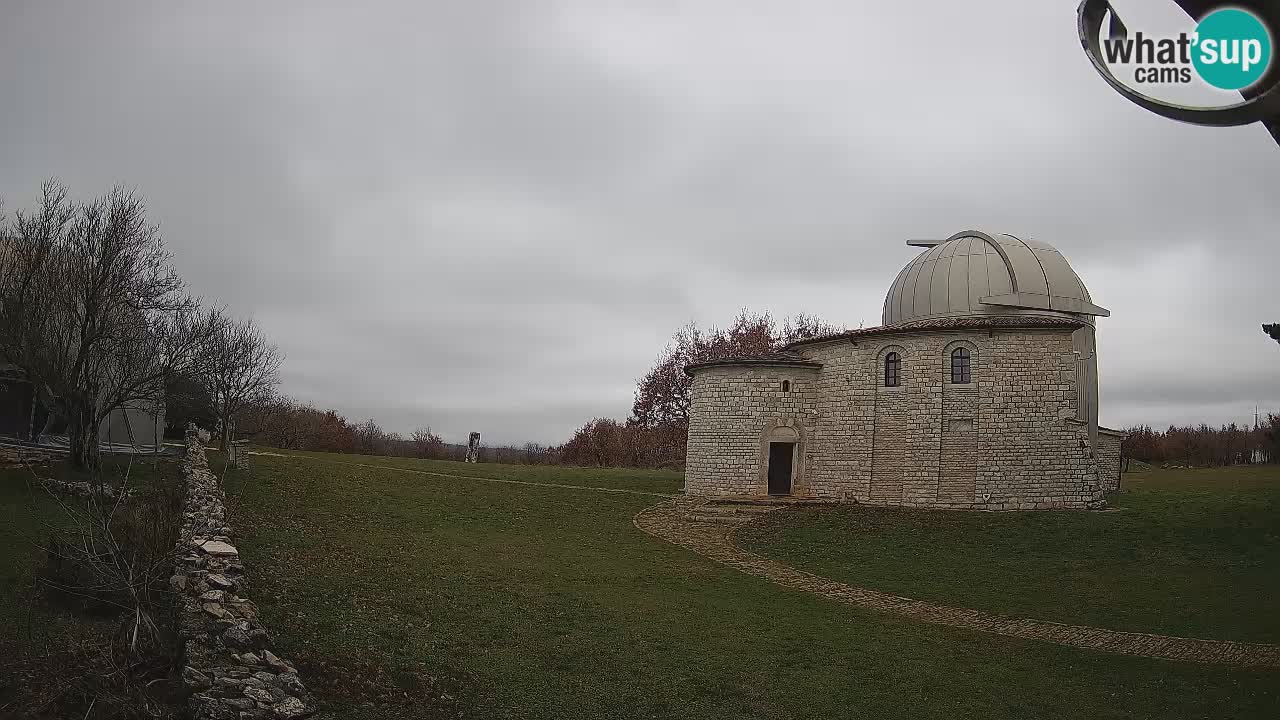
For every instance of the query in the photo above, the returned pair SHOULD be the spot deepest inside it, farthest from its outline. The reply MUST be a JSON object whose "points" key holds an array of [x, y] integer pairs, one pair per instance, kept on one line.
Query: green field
{"points": [[28, 515], [1185, 552], [1194, 553], [51, 659], [27, 620], [404, 595]]}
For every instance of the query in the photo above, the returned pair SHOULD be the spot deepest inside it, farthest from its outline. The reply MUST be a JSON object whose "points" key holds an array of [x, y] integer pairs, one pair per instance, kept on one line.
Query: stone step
{"points": [[772, 501]]}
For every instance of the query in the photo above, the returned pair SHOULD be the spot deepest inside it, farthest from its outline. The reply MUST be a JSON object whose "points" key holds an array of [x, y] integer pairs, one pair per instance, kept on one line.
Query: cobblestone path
{"points": [[689, 524]]}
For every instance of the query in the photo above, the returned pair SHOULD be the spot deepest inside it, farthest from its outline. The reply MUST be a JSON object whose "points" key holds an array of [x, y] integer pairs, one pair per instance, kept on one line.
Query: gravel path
{"points": [[672, 521]]}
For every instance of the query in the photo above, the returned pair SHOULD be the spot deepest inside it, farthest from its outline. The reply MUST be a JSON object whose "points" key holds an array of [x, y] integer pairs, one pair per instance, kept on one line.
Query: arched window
{"points": [[786, 386], [892, 370], [960, 367]]}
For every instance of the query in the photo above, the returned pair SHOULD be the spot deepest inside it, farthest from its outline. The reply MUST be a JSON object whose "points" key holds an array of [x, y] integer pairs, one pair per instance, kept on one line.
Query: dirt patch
{"points": [[346, 682]]}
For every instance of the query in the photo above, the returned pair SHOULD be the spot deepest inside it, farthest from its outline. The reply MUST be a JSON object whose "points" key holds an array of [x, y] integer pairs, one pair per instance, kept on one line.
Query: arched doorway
{"points": [[782, 442]]}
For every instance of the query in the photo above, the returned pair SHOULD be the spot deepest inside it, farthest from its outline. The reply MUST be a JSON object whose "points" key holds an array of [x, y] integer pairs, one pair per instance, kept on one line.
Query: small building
{"points": [[137, 426], [978, 391], [17, 403]]}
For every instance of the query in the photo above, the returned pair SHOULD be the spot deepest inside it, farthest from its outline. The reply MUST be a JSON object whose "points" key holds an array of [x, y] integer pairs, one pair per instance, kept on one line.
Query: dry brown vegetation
{"points": [[86, 622]]}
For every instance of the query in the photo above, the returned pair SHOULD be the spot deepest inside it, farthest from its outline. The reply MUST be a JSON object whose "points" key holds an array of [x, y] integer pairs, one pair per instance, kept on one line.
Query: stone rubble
{"points": [[17, 455], [81, 489], [230, 669]]}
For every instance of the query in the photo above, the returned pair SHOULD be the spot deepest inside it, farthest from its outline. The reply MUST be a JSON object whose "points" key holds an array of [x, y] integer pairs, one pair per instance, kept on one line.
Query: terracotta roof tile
{"points": [[955, 323], [784, 357], [773, 357]]}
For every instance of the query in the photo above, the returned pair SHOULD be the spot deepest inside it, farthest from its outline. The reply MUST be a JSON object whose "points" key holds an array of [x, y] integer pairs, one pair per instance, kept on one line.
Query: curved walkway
{"points": [[669, 521]]}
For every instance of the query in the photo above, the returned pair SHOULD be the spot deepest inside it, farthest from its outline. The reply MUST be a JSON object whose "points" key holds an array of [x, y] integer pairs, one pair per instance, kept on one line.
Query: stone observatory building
{"points": [[979, 391]]}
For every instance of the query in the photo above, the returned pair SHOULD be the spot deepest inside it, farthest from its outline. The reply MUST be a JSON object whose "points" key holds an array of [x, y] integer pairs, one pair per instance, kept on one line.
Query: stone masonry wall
{"points": [[1034, 455], [958, 457], [1002, 442], [230, 670], [1109, 459], [730, 409]]}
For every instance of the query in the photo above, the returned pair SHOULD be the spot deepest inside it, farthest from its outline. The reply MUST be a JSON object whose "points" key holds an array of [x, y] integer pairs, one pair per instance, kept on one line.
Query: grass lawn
{"points": [[1188, 552], [46, 637], [405, 595], [619, 478], [27, 513]]}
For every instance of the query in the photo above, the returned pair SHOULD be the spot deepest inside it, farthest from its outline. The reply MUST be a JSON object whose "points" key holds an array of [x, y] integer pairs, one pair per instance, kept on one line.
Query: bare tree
{"points": [[369, 437], [427, 444], [92, 310], [663, 395], [1272, 331], [243, 370]]}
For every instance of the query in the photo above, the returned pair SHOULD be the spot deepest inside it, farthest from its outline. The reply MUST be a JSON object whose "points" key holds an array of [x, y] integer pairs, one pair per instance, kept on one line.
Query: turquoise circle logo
{"points": [[1232, 49]]}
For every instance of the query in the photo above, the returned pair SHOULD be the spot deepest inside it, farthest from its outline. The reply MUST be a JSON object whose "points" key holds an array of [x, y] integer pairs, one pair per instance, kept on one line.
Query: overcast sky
{"points": [[491, 216]]}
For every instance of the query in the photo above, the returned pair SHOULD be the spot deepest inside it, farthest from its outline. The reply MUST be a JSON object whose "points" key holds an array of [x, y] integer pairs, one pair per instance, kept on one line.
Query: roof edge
{"points": [[751, 362], [993, 322], [1112, 432]]}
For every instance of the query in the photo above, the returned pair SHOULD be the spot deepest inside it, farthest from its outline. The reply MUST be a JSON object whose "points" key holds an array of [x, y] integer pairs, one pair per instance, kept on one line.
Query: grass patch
{"points": [[406, 595], [1194, 553], [28, 515], [55, 649], [653, 481]]}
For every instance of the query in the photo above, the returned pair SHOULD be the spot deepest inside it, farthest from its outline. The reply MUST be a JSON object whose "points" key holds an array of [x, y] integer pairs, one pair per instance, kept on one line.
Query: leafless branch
{"points": [[92, 309], [242, 369]]}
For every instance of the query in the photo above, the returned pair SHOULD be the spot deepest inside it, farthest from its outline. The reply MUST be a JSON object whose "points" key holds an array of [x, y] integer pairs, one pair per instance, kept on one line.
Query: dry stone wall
{"points": [[82, 489], [1008, 440], [230, 669], [20, 455]]}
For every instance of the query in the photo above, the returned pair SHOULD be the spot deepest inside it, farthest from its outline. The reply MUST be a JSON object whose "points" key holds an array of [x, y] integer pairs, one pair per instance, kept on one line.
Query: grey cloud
{"points": [[492, 215]]}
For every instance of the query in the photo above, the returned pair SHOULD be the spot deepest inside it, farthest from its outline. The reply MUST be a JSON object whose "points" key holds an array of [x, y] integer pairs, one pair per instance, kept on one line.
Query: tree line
{"points": [[1204, 446], [654, 436], [97, 319], [656, 433], [283, 422]]}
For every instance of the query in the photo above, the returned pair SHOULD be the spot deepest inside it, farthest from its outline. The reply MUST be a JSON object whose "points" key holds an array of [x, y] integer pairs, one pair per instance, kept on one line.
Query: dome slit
{"points": [[994, 278]]}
